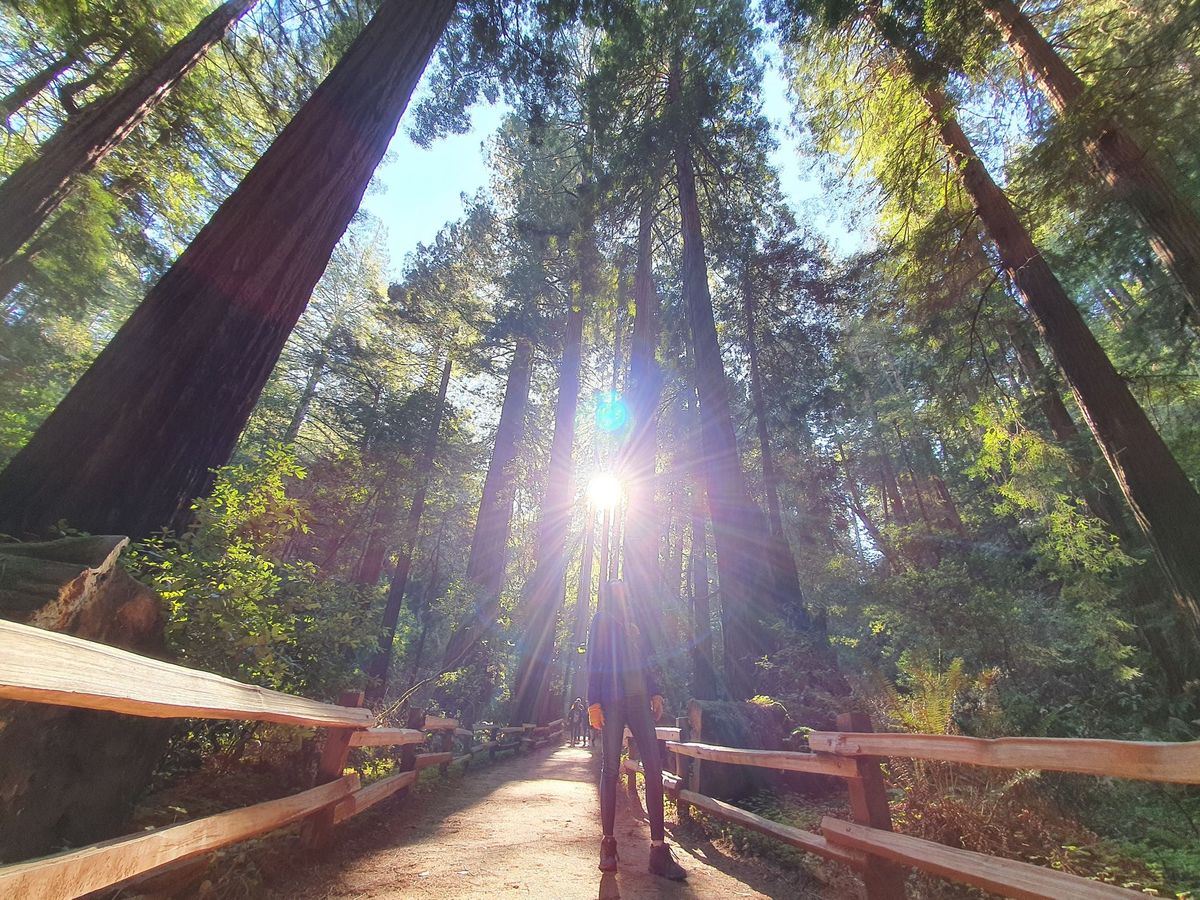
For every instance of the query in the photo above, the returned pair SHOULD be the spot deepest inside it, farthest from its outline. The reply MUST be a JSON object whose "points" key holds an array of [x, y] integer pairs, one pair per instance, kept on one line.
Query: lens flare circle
{"points": [[611, 412]]}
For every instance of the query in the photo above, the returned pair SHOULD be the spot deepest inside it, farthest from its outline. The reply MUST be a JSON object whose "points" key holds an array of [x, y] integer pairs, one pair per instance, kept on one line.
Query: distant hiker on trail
{"points": [[622, 690], [579, 722]]}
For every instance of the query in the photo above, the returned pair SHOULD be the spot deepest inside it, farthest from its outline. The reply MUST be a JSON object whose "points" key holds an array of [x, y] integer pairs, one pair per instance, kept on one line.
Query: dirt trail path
{"points": [[518, 828]]}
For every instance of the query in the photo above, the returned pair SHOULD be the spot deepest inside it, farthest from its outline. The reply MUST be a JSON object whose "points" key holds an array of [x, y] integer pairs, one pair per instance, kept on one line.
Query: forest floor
{"points": [[522, 827]]}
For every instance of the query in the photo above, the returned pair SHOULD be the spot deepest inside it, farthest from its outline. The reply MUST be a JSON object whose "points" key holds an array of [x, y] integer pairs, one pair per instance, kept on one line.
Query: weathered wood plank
{"points": [[1142, 760], [661, 733], [795, 837], [1006, 877], [671, 782], [425, 760], [46, 667], [782, 760], [79, 872], [464, 733], [364, 798], [437, 723], [386, 737]]}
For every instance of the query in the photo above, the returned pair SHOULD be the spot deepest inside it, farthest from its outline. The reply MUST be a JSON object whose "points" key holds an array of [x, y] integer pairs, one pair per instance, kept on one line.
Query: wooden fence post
{"points": [[869, 806], [408, 753], [695, 733], [316, 829], [446, 744], [681, 769]]}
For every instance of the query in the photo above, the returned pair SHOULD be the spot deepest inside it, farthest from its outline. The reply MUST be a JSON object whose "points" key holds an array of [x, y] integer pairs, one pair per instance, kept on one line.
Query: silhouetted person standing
{"points": [[623, 690], [578, 719]]}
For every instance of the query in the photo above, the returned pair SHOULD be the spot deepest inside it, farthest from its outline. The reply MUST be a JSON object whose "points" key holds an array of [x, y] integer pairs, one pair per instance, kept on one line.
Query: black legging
{"points": [[636, 715]]}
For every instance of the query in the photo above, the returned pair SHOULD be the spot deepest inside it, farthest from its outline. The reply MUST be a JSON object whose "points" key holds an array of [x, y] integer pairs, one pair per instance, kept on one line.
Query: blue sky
{"points": [[418, 190]]}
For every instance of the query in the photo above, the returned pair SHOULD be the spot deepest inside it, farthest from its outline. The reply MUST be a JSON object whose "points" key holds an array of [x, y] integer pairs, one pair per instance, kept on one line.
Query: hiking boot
{"points": [[663, 864], [608, 854]]}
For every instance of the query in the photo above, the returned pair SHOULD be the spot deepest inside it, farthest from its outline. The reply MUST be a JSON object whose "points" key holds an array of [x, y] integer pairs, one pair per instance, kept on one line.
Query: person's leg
{"points": [[641, 726], [610, 763]]}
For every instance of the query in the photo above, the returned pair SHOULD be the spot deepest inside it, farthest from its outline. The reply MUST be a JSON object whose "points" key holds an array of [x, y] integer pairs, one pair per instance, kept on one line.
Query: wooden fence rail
{"points": [[1139, 760], [868, 844], [47, 667]]}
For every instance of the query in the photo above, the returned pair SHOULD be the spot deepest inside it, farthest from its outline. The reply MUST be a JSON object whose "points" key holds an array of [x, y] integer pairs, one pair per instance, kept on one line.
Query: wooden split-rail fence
{"points": [[868, 844], [46, 667]]}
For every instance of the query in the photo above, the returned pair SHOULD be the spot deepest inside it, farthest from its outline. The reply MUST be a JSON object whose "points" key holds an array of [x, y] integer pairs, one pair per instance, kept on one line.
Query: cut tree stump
{"points": [[70, 777]]}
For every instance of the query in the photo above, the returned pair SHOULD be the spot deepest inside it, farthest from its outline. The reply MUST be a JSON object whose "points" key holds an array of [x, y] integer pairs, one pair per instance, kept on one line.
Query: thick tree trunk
{"points": [[738, 525], [547, 586], [1163, 500], [704, 684], [424, 607], [1100, 503], [1128, 168], [485, 565], [31, 194], [378, 670], [583, 610], [1148, 583], [639, 464], [789, 597], [135, 441], [381, 526]]}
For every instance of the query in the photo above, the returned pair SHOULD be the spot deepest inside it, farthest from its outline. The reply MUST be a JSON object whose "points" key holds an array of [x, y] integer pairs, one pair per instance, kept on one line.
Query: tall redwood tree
{"points": [[1127, 166], [31, 194], [1164, 502], [136, 439], [642, 525], [547, 586], [381, 663], [489, 544], [738, 525]]}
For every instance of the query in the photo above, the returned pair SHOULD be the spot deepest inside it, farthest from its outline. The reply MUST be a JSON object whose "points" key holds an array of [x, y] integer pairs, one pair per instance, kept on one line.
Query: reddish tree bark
{"points": [[583, 608], [31, 194], [704, 673], [381, 663], [1100, 503], [547, 586], [789, 596], [1128, 168], [738, 525], [485, 565], [136, 439], [639, 463]]}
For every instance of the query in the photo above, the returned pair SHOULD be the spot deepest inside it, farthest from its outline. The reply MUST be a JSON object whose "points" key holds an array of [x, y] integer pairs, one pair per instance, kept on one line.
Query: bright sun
{"points": [[604, 491]]}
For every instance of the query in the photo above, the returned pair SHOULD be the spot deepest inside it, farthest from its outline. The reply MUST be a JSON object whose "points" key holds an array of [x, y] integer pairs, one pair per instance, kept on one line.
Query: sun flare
{"points": [[604, 490]]}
